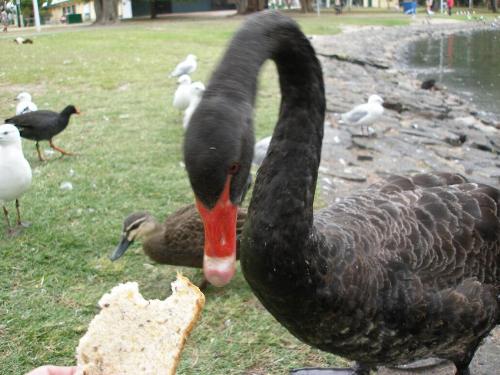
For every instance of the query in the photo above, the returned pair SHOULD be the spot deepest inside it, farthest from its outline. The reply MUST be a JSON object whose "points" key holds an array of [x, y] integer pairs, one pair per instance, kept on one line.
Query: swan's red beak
{"points": [[219, 262]]}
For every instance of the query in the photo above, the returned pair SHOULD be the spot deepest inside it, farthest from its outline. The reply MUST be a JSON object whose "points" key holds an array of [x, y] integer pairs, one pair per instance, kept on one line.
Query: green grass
{"points": [[128, 141]]}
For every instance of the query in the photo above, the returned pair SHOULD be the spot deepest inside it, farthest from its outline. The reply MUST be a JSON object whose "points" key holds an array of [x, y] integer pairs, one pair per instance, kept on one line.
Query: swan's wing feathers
{"points": [[392, 183], [440, 234]]}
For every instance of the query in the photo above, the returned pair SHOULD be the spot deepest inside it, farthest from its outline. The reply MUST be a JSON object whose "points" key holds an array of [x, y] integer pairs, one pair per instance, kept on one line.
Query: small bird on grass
{"points": [[187, 66], [15, 173], [43, 126], [196, 92], [183, 92], [21, 40], [25, 104]]}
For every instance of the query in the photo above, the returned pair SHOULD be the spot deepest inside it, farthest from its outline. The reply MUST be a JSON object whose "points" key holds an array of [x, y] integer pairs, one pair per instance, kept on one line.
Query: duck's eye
{"points": [[234, 168], [5, 132]]}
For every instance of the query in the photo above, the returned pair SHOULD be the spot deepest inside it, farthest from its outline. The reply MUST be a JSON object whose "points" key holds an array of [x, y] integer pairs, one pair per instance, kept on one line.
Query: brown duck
{"points": [[178, 241]]}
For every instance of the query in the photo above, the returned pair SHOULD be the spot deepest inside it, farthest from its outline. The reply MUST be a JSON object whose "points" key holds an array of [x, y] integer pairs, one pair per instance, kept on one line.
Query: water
{"points": [[468, 64]]}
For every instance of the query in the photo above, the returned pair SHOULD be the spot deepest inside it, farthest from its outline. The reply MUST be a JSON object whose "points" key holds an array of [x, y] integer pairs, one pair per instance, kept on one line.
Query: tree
{"points": [[494, 6], [306, 6], [106, 11], [249, 6]]}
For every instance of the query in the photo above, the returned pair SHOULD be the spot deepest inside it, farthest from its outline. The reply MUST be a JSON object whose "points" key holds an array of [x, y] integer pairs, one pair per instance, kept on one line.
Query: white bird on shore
{"points": [[365, 114], [187, 66], [15, 171], [260, 150], [183, 93], [197, 89], [25, 104]]}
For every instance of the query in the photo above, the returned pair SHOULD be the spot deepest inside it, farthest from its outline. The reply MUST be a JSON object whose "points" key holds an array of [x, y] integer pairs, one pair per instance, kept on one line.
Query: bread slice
{"points": [[132, 336]]}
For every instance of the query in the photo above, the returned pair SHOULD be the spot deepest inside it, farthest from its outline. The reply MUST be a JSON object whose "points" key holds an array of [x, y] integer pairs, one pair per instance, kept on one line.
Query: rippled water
{"points": [[468, 64]]}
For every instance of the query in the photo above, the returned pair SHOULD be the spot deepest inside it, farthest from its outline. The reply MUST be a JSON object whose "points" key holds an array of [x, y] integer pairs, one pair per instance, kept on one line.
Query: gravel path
{"points": [[424, 131]]}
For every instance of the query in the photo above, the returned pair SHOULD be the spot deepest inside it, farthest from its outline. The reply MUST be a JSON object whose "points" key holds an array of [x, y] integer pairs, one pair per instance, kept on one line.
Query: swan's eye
{"points": [[234, 168]]}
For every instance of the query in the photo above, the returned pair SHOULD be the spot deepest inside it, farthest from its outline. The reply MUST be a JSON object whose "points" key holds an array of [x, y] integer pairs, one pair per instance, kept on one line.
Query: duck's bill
{"points": [[120, 249], [219, 222]]}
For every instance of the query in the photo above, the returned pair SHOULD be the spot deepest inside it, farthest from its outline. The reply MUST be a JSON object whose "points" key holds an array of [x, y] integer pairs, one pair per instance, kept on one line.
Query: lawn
{"points": [[128, 140]]}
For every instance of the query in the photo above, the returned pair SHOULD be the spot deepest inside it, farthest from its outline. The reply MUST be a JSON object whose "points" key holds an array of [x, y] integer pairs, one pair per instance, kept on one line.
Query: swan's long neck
{"points": [[281, 210]]}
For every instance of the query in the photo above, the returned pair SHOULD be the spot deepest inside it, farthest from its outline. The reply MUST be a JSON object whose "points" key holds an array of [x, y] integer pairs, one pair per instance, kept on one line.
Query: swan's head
{"points": [[136, 226], [24, 96], [375, 99], [9, 134], [184, 80], [218, 151]]}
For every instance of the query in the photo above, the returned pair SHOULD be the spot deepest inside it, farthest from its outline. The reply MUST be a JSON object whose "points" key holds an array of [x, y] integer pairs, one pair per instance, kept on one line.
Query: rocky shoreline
{"points": [[421, 130]]}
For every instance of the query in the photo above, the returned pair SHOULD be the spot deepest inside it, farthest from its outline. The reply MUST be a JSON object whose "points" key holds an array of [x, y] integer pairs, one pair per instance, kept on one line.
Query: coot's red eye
{"points": [[234, 168]]}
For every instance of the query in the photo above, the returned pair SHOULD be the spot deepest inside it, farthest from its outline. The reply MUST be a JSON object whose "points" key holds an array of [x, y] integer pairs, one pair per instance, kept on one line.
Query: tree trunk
{"points": [[494, 6], [249, 6], [153, 9], [306, 6], [106, 11]]}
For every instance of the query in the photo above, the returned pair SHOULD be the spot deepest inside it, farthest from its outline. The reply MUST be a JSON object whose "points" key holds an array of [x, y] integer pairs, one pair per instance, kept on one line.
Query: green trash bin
{"points": [[74, 18]]}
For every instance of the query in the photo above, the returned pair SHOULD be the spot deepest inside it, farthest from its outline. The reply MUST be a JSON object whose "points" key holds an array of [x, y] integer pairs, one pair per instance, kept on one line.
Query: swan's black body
{"points": [[404, 270]]}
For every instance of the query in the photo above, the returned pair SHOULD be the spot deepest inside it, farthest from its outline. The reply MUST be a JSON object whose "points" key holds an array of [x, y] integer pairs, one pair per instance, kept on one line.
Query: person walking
{"points": [[451, 4], [4, 19]]}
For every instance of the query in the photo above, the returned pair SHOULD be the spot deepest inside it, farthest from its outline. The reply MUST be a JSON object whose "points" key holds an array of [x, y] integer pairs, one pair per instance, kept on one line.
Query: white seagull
{"points": [[182, 95], [25, 104], [15, 171], [260, 150], [187, 66], [197, 89], [365, 114]]}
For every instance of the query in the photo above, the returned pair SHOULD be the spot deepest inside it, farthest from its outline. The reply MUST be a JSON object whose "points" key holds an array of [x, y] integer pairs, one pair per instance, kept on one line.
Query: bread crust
{"points": [[120, 341]]}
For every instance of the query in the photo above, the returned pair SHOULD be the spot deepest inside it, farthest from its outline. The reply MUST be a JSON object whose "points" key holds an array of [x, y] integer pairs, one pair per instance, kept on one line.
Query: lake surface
{"points": [[468, 64]]}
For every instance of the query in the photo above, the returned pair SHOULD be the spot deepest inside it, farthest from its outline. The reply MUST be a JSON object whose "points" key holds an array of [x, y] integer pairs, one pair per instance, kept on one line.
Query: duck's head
{"points": [[184, 80], [24, 96], [135, 226], [375, 99], [191, 57], [9, 134], [218, 151]]}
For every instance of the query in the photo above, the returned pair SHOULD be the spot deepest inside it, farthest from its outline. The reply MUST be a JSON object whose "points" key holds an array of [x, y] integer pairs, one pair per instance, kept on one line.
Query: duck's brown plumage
{"points": [[403, 270], [179, 240]]}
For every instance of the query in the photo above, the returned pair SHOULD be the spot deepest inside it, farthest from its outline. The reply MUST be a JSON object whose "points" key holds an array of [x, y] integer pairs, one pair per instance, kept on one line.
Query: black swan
{"points": [[43, 125], [404, 270]]}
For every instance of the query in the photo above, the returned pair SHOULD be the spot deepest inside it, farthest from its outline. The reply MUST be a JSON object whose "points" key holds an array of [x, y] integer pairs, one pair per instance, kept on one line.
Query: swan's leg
{"points": [[59, 149], [357, 369], [40, 156]]}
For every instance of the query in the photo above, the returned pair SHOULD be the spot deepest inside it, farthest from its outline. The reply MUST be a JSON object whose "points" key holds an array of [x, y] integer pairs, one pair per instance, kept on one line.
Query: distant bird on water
{"points": [[15, 171], [429, 84], [25, 104], [365, 114], [43, 126], [187, 66]]}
